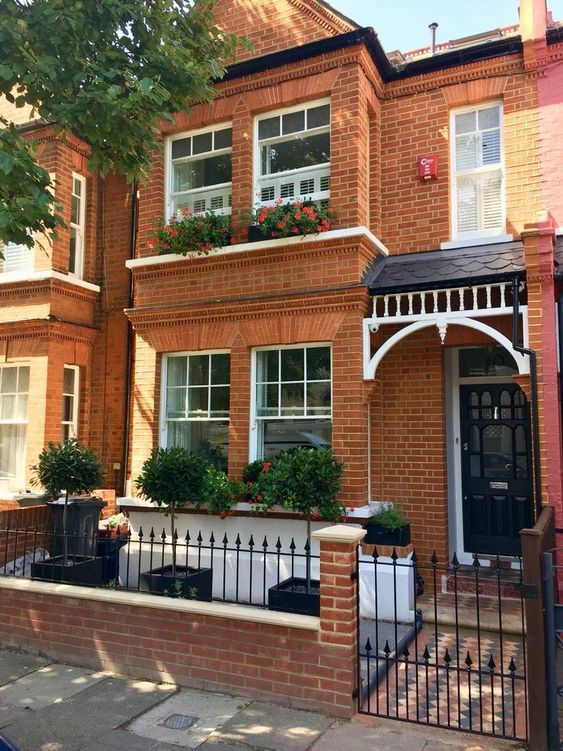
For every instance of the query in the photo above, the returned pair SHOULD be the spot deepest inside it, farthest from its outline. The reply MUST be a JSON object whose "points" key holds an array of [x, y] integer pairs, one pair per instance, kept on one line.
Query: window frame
{"points": [[258, 177], [255, 419], [73, 422], [169, 193], [19, 476], [80, 228], [163, 420], [486, 169]]}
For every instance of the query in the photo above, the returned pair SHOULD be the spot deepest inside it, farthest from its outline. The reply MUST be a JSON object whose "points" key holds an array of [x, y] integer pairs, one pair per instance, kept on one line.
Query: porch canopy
{"points": [[458, 286]]}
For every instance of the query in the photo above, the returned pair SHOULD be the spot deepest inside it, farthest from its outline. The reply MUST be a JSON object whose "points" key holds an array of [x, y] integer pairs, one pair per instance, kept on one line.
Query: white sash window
{"points": [[14, 391], [200, 172], [293, 154], [477, 166]]}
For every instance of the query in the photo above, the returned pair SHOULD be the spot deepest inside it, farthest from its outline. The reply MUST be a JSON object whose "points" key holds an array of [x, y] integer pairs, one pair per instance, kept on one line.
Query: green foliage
{"points": [[252, 471], [107, 71], [67, 466], [172, 478], [219, 493], [199, 234], [293, 219], [390, 519], [25, 200], [303, 480]]}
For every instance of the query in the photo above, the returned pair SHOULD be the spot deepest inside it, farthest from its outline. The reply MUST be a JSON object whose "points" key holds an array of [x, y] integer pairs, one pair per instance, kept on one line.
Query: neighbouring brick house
{"points": [[388, 337]]}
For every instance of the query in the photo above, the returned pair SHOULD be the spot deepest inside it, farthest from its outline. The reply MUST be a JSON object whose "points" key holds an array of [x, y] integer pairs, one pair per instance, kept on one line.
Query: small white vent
{"points": [[325, 183], [287, 190], [268, 194], [199, 205], [216, 203]]}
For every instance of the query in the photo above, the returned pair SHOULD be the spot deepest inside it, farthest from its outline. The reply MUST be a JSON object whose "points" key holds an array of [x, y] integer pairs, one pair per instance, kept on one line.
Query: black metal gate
{"points": [[443, 644]]}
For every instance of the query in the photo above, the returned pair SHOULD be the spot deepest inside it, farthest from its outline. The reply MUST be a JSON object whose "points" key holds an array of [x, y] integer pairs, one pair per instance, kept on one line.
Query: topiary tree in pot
{"points": [[307, 481], [72, 469], [173, 478]]}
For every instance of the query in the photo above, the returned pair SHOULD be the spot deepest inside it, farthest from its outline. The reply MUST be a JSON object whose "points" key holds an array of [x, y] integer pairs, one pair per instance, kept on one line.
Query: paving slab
{"points": [[187, 718], [14, 665], [269, 726], [49, 684], [348, 736], [89, 717]]}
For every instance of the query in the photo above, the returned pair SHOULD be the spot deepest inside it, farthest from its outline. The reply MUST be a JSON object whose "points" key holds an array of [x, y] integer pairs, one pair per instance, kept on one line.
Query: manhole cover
{"points": [[179, 721]]}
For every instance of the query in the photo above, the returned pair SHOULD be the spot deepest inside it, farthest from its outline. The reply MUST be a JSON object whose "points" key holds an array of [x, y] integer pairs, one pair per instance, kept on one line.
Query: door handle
{"points": [[466, 447]]}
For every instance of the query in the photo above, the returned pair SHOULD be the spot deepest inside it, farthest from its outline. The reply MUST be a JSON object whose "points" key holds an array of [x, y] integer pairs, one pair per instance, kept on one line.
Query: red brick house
{"points": [[389, 337]]}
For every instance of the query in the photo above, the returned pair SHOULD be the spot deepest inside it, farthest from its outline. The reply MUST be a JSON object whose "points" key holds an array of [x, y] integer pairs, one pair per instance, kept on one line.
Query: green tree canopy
{"points": [[107, 71]]}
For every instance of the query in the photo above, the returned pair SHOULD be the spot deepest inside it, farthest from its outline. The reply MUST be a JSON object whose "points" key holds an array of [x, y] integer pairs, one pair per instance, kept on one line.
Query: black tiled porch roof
{"points": [[439, 269]]}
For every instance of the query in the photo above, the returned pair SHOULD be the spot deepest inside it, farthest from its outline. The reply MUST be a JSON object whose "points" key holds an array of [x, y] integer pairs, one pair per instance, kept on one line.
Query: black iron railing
{"points": [[443, 645], [225, 568]]}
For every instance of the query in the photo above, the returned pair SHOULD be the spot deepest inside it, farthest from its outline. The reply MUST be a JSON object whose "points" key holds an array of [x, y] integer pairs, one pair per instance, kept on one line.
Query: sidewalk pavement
{"points": [[48, 706]]}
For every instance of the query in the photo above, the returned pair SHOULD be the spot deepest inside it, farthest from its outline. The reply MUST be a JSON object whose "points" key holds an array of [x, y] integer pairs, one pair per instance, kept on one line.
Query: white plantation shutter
{"points": [[17, 258], [478, 177]]}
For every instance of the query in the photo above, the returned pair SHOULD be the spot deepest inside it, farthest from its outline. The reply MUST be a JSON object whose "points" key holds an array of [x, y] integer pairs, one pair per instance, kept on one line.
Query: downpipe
{"points": [[534, 394]]}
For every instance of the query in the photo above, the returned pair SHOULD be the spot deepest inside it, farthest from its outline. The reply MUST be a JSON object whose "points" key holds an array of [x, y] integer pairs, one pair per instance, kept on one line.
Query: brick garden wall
{"points": [[310, 669]]}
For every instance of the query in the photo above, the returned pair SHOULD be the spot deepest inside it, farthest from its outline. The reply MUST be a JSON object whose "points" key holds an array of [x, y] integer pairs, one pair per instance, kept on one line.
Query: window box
{"points": [[293, 219], [192, 233]]}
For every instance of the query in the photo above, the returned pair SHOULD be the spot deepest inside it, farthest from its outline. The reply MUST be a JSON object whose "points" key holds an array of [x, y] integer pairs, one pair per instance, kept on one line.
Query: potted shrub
{"points": [[306, 481], [192, 233], [173, 478], [290, 220], [388, 527], [72, 469]]}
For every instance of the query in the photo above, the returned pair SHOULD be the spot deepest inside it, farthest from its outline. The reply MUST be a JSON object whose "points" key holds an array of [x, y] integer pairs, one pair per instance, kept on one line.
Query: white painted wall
{"points": [[390, 577]]}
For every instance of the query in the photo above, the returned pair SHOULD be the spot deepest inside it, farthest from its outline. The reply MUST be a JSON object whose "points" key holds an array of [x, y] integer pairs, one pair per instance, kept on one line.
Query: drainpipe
{"points": [[534, 394], [560, 320], [129, 353]]}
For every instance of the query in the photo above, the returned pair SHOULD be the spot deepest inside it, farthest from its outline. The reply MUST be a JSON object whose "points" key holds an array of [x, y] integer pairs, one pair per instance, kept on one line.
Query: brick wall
{"points": [[310, 669], [32, 528]]}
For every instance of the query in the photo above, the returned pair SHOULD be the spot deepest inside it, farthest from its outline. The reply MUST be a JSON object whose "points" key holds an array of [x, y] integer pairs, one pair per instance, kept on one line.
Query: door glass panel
{"points": [[486, 361], [475, 465], [486, 406], [474, 405], [474, 442], [497, 452], [520, 405], [520, 440]]}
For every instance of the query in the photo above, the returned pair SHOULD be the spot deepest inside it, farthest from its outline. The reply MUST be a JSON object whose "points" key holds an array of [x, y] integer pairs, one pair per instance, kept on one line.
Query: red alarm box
{"points": [[428, 167]]}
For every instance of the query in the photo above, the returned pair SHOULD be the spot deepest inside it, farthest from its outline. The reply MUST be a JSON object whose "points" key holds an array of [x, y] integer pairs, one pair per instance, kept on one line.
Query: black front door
{"points": [[496, 467]]}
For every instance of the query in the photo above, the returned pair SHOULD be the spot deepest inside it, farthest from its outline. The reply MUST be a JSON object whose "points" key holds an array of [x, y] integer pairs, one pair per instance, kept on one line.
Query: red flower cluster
{"points": [[294, 218]]}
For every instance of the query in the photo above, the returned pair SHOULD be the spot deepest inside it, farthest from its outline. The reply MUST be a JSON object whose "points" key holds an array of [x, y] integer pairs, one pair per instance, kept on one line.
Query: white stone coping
{"points": [[360, 513], [340, 533], [156, 602], [15, 277], [334, 234]]}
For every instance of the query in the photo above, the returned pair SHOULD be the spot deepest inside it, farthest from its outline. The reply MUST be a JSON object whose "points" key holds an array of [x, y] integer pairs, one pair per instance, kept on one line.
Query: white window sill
{"points": [[334, 234], [16, 277], [471, 242]]}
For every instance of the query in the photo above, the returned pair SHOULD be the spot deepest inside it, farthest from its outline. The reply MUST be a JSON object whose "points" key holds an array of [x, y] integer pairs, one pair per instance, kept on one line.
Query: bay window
{"points": [[292, 399], [195, 399], [478, 182], [293, 153], [14, 391], [199, 172]]}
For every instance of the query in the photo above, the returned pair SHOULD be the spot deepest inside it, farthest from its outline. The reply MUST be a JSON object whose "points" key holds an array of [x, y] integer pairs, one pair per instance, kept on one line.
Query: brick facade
{"points": [[391, 434]]}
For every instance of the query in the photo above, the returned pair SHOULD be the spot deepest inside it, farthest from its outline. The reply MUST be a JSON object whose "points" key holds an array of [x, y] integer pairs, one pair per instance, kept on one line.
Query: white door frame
{"points": [[453, 451]]}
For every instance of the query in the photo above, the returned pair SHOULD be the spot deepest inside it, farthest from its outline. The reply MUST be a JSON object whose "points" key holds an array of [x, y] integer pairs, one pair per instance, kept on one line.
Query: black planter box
{"points": [[255, 234], [377, 535], [160, 581], [291, 596], [78, 570]]}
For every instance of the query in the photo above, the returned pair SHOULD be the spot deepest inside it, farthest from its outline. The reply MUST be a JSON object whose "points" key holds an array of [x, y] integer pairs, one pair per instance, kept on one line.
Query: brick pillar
{"points": [[538, 239], [338, 627], [243, 198], [240, 407]]}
